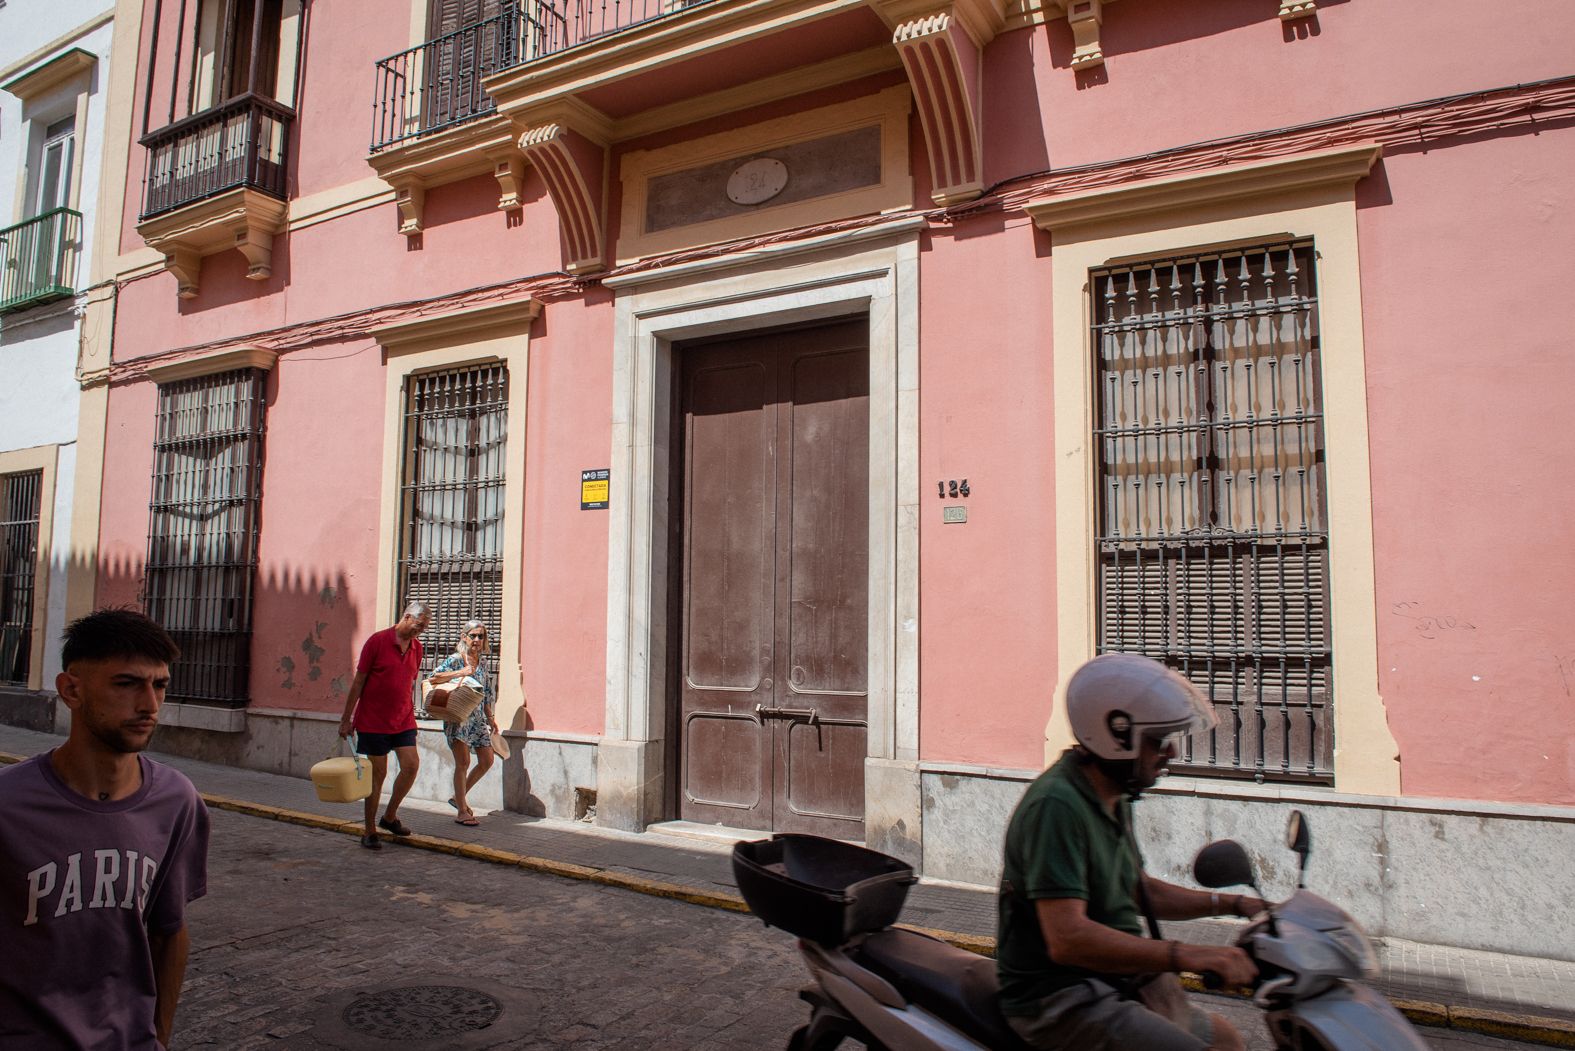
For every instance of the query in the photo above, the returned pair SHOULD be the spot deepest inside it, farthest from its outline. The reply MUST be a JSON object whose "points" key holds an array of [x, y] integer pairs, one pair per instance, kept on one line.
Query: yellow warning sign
{"points": [[594, 487]]}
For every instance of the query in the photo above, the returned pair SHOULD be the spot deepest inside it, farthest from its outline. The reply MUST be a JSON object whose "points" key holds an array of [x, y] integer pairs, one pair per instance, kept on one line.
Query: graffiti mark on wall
{"points": [[1428, 625]]}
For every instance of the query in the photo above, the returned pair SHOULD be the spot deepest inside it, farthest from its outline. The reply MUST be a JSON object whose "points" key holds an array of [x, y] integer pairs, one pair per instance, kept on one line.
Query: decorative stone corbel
{"points": [[574, 167], [410, 198], [185, 263], [509, 168], [1294, 9], [1085, 17], [255, 242], [943, 65], [941, 43]]}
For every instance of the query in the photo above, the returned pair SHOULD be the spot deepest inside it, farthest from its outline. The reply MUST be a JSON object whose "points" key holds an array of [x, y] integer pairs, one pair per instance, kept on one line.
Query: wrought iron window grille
{"points": [[20, 506], [1212, 536], [451, 501], [203, 528]]}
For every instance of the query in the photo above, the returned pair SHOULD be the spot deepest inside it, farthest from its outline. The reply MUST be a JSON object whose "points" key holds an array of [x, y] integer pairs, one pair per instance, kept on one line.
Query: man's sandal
{"points": [[396, 826]]}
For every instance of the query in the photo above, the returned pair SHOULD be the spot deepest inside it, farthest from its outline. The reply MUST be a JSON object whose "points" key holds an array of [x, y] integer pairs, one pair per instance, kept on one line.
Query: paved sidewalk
{"points": [[1516, 997]]}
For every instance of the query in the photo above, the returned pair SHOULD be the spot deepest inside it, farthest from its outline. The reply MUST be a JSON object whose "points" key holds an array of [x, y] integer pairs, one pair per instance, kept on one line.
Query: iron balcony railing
{"points": [[243, 142], [438, 84], [39, 257]]}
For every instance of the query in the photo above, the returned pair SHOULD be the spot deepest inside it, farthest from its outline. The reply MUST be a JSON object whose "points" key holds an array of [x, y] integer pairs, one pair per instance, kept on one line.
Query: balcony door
{"points": [[40, 246], [467, 40], [773, 593]]}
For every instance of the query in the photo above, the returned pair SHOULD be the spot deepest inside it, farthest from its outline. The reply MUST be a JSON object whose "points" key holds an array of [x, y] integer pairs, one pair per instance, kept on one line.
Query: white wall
{"points": [[39, 396]]}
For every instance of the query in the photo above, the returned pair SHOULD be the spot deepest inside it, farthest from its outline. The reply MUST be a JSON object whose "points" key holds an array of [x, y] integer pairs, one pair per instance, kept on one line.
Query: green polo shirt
{"points": [[1061, 843]]}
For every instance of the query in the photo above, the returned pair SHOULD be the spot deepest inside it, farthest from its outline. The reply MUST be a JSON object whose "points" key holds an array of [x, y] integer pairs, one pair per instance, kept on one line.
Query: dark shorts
{"points": [[382, 744]]}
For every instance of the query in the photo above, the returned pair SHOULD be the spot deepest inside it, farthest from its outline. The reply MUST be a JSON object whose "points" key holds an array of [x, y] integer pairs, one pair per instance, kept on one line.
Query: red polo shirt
{"points": [[385, 706]]}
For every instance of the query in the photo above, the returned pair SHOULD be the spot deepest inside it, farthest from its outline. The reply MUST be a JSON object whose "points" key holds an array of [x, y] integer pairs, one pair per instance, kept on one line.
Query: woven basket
{"points": [[461, 701]]}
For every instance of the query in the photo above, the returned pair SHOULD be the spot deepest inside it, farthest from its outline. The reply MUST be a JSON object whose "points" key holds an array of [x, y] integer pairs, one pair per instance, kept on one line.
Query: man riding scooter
{"points": [[1074, 966]]}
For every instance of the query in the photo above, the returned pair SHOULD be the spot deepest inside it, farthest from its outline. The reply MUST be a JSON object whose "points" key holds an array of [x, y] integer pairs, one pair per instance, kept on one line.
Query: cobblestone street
{"points": [[303, 933]]}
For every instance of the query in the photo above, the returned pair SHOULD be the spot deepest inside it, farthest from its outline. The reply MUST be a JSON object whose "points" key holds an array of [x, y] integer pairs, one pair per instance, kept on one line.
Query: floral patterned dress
{"points": [[476, 730]]}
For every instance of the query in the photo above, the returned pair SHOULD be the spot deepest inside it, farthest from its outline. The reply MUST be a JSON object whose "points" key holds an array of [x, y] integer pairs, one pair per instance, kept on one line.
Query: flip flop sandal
{"points": [[468, 820], [396, 826], [452, 803]]}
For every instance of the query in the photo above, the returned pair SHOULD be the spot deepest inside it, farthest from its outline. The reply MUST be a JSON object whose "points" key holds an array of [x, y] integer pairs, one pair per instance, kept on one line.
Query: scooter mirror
{"points": [[1297, 835], [1223, 863]]}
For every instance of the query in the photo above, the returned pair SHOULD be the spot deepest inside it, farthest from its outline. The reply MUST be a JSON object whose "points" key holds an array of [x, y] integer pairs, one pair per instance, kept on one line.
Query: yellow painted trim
{"points": [[338, 201], [465, 337], [840, 70], [1366, 759], [889, 109], [97, 327], [479, 322], [42, 458], [56, 44], [213, 362], [1341, 166], [52, 74]]}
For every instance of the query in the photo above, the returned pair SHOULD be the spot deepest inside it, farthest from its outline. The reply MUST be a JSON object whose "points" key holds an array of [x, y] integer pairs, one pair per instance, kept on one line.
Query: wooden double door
{"points": [[772, 594]]}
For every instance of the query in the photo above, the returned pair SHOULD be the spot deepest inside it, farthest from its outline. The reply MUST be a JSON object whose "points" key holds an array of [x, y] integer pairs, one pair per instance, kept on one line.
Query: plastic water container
{"points": [[342, 779]]}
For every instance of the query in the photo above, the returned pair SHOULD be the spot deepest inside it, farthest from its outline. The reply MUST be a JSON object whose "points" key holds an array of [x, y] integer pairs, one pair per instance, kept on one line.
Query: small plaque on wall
{"points": [[594, 487]]}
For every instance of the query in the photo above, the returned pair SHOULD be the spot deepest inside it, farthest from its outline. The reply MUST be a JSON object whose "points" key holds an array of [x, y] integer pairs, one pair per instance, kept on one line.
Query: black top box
{"points": [[820, 889]]}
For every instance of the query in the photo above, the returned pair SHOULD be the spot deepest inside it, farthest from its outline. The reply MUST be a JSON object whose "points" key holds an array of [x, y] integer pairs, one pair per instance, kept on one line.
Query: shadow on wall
{"points": [[307, 630]]}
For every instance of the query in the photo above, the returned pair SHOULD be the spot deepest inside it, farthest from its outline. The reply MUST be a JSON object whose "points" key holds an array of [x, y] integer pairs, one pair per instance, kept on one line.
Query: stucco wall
{"points": [[1455, 248], [1468, 315]]}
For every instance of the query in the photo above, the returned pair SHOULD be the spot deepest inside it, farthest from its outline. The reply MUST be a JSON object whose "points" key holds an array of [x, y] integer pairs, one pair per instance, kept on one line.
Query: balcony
{"points": [[242, 143], [217, 180], [39, 257]]}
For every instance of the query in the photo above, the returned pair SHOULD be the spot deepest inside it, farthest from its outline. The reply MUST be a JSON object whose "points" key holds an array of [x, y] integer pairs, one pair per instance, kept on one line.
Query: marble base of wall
{"points": [[29, 709], [539, 778], [1447, 872]]}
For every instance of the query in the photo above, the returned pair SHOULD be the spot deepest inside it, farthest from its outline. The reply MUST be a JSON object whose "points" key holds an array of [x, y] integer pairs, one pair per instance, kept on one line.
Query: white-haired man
{"points": [[380, 710]]}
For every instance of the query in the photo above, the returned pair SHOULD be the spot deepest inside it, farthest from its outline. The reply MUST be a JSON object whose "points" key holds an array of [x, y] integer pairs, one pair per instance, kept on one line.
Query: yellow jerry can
{"points": [[342, 779]]}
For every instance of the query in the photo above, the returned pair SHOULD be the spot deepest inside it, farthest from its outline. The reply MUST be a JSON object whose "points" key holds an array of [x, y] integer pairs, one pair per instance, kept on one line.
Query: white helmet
{"points": [[1117, 699]]}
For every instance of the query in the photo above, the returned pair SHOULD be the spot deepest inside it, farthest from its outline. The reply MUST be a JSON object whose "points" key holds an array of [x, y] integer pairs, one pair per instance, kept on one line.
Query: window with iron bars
{"points": [[19, 510], [451, 549], [1212, 530], [202, 532]]}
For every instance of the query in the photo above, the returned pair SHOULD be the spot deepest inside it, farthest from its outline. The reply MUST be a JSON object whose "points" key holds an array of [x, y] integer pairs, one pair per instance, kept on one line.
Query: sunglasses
{"points": [[477, 635]]}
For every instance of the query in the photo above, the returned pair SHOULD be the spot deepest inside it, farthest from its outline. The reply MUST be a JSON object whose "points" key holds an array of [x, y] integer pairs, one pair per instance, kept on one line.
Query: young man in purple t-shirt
{"points": [[101, 849]]}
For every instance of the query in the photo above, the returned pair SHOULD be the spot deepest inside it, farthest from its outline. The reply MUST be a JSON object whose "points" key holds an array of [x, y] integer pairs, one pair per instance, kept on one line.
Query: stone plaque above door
{"points": [[816, 166]]}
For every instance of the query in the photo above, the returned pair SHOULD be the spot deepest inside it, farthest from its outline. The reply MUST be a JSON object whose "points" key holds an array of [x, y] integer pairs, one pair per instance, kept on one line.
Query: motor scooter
{"points": [[891, 988]]}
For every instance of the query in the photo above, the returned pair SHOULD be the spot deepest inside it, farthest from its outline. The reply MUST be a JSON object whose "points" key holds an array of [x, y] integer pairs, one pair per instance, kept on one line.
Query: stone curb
{"points": [[1553, 1032]]}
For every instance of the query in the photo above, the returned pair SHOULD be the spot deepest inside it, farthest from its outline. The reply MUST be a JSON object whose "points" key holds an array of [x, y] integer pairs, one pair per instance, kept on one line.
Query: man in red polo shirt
{"points": [[384, 714]]}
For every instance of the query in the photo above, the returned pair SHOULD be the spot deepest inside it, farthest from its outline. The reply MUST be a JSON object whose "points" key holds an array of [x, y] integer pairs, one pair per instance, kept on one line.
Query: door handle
{"points": [[810, 715]]}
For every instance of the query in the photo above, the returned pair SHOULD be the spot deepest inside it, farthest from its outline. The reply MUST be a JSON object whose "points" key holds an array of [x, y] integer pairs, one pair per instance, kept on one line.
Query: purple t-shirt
{"points": [[81, 885]]}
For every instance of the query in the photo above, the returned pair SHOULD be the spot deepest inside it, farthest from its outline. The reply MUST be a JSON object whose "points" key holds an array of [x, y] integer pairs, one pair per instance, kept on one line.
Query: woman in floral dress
{"points": [[474, 735]]}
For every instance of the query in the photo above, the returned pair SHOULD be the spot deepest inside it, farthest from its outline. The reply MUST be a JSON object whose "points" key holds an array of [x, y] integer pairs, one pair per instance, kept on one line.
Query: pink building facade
{"points": [[802, 390]]}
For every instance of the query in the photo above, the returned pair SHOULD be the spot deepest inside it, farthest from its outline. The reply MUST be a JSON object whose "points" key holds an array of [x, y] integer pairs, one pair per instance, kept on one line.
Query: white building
{"points": [[54, 66]]}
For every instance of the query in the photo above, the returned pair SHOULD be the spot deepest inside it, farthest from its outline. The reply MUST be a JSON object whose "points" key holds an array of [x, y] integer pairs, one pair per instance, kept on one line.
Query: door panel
{"points": [[731, 776], [774, 609]]}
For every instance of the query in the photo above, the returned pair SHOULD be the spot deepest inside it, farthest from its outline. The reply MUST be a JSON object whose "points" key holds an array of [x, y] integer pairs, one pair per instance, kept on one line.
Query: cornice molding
{"points": [[51, 74], [459, 326], [212, 363], [1336, 167]]}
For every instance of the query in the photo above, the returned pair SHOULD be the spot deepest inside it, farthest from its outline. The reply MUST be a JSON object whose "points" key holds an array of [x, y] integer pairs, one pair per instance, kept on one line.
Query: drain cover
{"points": [[422, 1012]]}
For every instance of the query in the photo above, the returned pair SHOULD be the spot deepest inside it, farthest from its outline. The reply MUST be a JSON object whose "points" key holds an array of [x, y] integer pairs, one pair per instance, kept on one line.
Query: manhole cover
{"points": [[418, 1012]]}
